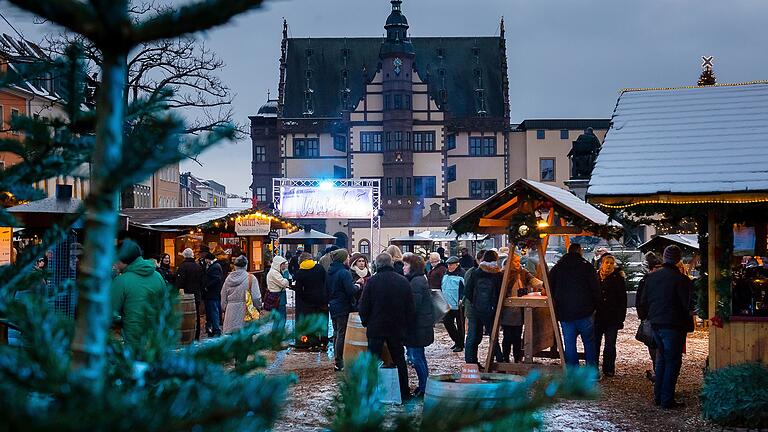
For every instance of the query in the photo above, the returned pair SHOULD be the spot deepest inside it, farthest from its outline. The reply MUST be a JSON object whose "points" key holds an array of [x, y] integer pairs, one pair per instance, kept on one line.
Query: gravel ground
{"points": [[625, 403]]}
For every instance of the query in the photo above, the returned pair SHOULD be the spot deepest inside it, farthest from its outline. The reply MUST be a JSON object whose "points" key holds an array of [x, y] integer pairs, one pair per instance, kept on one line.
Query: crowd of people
{"points": [[395, 298]]}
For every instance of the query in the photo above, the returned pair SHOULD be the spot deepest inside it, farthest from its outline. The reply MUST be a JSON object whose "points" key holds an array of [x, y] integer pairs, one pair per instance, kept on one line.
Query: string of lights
{"points": [[688, 202]]}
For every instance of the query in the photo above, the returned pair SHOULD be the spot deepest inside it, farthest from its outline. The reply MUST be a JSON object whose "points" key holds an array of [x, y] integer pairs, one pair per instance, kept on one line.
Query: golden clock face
{"points": [[398, 64]]}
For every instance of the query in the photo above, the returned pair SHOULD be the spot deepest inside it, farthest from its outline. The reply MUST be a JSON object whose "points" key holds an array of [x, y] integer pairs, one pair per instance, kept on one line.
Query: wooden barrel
{"points": [[356, 342], [446, 391], [188, 318]]}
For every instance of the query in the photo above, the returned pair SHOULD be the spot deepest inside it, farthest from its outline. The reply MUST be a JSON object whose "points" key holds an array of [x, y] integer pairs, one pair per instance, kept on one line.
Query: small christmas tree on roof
{"points": [[707, 76]]}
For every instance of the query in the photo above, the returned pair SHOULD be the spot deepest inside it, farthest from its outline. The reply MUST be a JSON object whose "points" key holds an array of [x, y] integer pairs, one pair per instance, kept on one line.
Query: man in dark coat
{"points": [[575, 292], [437, 270], [189, 277], [311, 296], [213, 281], [665, 302], [341, 294], [482, 291], [386, 308], [294, 262], [466, 261], [652, 263]]}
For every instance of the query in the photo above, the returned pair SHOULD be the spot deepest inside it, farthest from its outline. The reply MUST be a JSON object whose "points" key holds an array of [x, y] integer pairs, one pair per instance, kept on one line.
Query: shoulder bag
{"points": [[440, 306], [645, 334], [251, 312]]}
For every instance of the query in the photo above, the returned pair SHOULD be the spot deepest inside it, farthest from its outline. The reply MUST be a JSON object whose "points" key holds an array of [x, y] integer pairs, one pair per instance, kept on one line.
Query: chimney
{"points": [[307, 229], [411, 233], [63, 192]]}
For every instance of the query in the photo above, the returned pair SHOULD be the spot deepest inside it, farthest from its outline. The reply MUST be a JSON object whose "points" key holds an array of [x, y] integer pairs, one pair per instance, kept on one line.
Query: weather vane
{"points": [[706, 61]]}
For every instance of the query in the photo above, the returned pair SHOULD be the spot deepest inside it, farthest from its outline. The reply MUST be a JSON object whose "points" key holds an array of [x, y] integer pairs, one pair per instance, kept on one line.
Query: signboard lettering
{"points": [[245, 227], [6, 244], [301, 202]]}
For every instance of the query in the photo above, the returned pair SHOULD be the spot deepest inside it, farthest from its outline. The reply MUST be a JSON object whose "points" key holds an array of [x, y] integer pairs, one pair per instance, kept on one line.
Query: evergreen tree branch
{"points": [[200, 15], [74, 15]]}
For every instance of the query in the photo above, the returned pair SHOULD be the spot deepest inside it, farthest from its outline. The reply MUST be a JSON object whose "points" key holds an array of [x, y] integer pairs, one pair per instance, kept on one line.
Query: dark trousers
{"points": [[213, 317], [197, 316], [454, 325], [397, 351], [652, 353], [339, 333], [669, 358], [512, 343], [610, 332], [474, 336]]}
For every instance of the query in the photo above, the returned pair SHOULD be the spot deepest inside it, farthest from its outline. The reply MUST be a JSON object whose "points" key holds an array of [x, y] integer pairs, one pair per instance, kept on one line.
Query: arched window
{"points": [[364, 247]]}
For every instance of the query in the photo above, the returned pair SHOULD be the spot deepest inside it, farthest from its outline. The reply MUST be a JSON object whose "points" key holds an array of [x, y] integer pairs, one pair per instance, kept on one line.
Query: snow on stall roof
{"points": [[686, 140], [199, 218], [690, 240], [573, 203]]}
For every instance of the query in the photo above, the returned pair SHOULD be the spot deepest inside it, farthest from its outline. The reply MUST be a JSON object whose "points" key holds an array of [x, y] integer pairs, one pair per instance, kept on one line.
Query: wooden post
{"points": [[497, 317], [551, 303], [713, 272]]}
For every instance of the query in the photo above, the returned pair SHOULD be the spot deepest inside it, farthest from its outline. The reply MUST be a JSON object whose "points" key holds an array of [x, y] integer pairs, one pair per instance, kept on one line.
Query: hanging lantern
{"points": [[523, 230]]}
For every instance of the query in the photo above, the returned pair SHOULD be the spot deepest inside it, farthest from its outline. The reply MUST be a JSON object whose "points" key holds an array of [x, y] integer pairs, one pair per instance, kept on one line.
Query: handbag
{"points": [[440, 306], [251, 312], [271, 300], [645, 334]]}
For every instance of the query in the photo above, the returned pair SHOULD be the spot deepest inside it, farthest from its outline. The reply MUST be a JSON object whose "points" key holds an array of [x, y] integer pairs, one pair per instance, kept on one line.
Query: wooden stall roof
{"points": [[184, 218], [689, 145], [689, 242], [493, 215]]}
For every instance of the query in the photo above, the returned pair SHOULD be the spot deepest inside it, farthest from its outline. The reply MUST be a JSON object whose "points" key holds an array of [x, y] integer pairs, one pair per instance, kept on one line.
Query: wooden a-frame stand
{"points": [[541, 328]]}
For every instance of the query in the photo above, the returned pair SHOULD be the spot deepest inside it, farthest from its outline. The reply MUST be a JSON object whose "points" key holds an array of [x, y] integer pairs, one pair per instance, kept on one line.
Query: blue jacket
{"points": [[341, 290], [453, 287]]}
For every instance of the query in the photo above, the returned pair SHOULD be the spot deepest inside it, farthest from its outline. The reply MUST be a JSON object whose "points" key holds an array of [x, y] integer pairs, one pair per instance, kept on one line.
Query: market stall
{"points": [[529, 213], [228, 230], [665, 155], [309, 239]]}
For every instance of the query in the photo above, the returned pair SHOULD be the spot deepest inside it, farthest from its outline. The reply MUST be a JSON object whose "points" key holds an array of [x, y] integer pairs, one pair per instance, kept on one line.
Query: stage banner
{"points": [[302, 202], [245, 227]]}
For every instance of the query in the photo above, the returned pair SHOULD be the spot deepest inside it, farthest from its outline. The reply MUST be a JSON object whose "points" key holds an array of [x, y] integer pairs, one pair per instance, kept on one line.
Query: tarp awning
{"points": [[307, 237]]}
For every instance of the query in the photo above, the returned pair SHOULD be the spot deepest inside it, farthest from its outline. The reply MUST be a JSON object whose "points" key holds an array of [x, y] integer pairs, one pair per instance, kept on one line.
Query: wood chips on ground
{"points": [[625, 403]]}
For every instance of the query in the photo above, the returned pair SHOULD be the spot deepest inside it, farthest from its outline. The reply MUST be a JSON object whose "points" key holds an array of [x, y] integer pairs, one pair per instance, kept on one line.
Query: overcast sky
{"points": [[567, 58]]}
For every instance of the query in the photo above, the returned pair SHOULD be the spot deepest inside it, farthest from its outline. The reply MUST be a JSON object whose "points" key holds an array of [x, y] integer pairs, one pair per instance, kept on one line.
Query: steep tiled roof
{"points": [[362, 54], [683, 141]]}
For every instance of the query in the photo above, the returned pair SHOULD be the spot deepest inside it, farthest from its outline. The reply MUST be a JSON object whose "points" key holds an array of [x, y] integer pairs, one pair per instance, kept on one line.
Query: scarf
{"points": [[604, 275], [361, 273]]}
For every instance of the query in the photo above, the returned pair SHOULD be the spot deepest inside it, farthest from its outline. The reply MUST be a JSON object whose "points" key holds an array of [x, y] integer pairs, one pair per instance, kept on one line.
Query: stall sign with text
{"points": [[6, 245], [301, 202], [245, 227]]}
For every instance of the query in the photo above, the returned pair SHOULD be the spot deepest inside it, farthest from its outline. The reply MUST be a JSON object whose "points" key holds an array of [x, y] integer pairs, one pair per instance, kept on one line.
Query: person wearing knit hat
{"points": [[189, 278], [128, 253], [233, 296], [666, 303], [340, 256], [672, 254], [341, 294], [652, 263], [131, 292], [361, 272], [311, 299]]}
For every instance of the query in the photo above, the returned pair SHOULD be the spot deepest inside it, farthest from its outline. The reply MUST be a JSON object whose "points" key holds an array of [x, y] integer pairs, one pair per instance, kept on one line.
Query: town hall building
{"points": [[427, 116]]}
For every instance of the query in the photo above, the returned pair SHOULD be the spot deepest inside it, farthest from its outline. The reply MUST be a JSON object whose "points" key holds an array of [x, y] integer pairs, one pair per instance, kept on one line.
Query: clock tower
{"points": [[397, 57]]}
